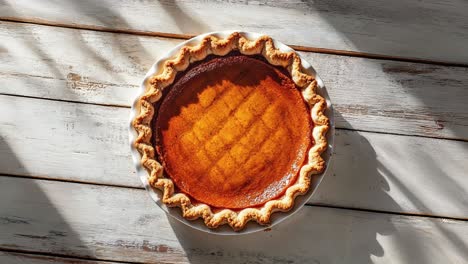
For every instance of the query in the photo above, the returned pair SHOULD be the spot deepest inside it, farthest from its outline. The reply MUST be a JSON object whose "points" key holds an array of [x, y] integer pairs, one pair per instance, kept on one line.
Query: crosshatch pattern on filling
{"points": [[225, 132], [202, 141], [237, 219]]}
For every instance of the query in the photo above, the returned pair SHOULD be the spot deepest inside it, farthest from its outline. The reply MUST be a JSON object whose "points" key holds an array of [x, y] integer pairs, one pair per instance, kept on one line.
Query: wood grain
{"points": [[123, 224], [88, 78], [36, 21], [434, 30], [89, 143], [21, 258], [105, 68]]}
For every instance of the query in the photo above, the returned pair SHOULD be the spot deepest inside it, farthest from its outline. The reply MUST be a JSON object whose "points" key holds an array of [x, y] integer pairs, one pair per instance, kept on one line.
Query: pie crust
{"points": [[191, 209]]}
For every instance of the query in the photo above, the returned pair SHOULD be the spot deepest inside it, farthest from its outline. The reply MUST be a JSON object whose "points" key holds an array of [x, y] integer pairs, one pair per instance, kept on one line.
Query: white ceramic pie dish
{"points": [[251, 227]]}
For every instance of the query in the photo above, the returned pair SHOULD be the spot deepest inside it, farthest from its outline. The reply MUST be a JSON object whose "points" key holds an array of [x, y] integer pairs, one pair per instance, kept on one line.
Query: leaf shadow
{"points": [[29, 221], [183, 20]]}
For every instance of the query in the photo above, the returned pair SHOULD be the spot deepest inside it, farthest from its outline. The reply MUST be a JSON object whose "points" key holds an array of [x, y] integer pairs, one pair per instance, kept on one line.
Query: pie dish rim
{"points": [[237, 220]]}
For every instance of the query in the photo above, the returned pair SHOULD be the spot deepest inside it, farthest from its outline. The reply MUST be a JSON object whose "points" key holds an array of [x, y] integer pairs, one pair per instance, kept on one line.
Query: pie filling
{"points": [[232, 132]]}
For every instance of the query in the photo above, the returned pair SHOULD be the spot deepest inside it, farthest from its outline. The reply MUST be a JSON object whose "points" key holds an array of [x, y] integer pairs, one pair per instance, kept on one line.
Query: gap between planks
{"points": [[43, 22], [71, 258], [39, 178], [64, 101]]}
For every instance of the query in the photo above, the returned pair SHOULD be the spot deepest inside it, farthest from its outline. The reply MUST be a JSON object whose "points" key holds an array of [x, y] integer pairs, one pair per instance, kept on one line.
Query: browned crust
{"points": [[213, 45]]}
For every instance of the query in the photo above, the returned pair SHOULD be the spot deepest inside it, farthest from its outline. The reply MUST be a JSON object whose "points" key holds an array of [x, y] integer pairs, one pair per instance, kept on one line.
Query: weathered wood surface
{"points": [[433, 30], [123, 224], [105, 68], [79, 132], [89, 143], [23, 258]]}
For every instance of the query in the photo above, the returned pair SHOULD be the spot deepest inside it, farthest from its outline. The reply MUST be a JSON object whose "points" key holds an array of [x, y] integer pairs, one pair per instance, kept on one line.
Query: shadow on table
{"points": [[182, 19], [29, 220], [389, 28], [440, 92], [133, 54], [316, 234], [136, 56]]}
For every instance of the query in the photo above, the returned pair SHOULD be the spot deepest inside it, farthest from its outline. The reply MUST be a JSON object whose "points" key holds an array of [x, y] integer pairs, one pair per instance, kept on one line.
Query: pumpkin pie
{"points": [[231, 130]]}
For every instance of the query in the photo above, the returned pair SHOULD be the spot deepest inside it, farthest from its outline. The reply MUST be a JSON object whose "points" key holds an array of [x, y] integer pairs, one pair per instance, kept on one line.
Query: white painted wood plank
{"points": [[105, 68], [21, 258], [88, 143], [434, 29], [72, 141], [123, 224], [75, 65], [396, 97], [398, 174]]}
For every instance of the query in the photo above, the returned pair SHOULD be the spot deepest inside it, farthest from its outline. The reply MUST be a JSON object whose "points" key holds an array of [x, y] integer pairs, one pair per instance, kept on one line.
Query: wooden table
{"points": [[396, 71]]}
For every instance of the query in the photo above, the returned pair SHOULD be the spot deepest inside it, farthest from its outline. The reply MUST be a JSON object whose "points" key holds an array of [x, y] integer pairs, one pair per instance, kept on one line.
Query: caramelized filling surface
{"points": [[232, 132]]}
